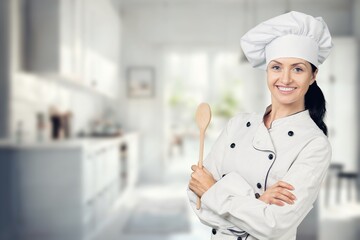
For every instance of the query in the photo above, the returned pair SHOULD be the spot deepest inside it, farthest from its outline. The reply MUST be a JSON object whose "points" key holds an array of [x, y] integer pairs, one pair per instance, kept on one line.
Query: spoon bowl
{"points": [[203, 116]]}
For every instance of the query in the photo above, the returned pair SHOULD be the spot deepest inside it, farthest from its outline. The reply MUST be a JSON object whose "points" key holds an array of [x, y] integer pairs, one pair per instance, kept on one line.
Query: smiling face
{"points": [[288, 81]]}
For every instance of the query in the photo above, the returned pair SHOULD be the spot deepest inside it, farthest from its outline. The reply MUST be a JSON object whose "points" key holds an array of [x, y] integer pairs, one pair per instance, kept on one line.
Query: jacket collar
{"points": [[298, 117], [262, 139]]}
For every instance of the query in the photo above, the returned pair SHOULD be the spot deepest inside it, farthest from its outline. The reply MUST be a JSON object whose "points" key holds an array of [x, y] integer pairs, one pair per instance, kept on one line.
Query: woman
{"points": [[264, 172]]}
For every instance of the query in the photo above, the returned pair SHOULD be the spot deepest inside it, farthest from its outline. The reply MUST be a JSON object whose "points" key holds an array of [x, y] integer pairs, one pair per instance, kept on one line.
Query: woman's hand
{"points": [[201, 180], [279, 194]]}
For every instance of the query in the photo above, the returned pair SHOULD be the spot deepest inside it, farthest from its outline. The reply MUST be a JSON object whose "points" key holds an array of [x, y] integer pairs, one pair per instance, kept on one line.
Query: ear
{"points": [[313, 79]]}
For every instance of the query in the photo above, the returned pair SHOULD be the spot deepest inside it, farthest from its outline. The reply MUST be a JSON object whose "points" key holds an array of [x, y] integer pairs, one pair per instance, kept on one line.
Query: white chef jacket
{"points": [[246, 159]]}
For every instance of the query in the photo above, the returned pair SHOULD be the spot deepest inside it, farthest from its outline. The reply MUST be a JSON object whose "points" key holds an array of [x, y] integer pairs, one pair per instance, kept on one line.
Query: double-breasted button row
{"points": [[233, 145]]}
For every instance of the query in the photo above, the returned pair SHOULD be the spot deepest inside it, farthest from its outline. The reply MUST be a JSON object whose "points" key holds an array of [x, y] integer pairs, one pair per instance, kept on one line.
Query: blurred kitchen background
{"points": [[97, 105]]}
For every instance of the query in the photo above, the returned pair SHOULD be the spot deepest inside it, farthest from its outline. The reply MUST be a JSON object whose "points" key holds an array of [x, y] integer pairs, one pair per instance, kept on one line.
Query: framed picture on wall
{"points": [[140, 82]]}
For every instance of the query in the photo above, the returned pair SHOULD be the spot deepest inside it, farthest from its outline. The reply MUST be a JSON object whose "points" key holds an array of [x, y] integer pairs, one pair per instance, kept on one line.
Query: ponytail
{"points": [[315, 103]]}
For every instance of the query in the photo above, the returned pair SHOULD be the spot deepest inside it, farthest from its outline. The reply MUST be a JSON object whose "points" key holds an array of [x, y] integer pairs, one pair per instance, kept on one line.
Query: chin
{"points": [[287, 101]]}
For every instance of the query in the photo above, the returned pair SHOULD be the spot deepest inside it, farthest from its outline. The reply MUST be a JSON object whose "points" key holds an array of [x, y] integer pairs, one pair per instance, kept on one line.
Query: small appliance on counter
{"points": [[60, 123]]}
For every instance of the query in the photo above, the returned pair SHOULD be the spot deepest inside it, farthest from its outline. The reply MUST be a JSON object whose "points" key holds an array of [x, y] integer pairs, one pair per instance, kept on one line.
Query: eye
{"points": [[298, 69], [275, 67]]}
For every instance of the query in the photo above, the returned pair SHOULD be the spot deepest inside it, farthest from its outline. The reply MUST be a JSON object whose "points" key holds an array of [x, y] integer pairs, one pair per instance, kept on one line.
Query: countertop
{"points": [[65, 143]]}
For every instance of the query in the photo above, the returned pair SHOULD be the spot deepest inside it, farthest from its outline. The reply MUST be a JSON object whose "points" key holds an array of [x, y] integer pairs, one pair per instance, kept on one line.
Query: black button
{"points": [[271, 156], [258, 185], [213, 231], [257, 195], [223, 175], [291, 133], [248, 124], [232, 145], [239, 238]]}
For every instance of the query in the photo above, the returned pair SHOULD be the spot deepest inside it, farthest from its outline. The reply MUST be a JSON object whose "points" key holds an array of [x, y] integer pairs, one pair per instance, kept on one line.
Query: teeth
{"points": [[286, 89]]}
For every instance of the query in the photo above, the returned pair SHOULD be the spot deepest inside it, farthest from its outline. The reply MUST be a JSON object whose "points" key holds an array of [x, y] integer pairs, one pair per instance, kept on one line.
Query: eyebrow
{"points": [[294, 64]]}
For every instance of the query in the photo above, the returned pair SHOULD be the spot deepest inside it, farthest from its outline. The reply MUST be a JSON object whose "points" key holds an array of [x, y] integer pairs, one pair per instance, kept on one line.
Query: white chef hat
{"points": [[293, 34]]}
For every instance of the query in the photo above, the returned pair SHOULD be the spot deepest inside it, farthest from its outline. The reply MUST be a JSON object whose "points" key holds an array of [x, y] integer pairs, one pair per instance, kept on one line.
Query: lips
{"points": [[286, 89]]}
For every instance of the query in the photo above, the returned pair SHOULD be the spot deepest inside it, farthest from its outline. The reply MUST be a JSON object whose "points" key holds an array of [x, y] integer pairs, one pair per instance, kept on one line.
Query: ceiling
{"points": [[257, 2]]}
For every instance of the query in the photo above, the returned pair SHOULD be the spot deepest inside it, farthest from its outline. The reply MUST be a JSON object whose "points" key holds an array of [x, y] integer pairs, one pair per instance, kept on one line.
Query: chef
{"points": [[263, 174]]}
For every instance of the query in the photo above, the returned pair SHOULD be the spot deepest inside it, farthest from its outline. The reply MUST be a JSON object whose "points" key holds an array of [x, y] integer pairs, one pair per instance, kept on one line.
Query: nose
{"points": [[286, 77]]}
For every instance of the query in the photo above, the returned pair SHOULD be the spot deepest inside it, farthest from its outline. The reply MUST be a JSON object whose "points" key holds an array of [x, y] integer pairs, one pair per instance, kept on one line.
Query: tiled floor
{"points": [[174, 187]]}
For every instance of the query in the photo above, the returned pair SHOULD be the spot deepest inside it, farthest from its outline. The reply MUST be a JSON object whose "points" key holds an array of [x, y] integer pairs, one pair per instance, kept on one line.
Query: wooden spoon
{"points": [[203, 117]]}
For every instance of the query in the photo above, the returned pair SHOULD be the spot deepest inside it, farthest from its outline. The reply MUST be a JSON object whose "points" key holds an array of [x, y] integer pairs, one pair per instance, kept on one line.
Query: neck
{"points": [[280, 111]]}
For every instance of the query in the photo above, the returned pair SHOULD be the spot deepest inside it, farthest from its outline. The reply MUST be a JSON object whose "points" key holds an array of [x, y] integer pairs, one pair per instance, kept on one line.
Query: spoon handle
{"points": [[201, 149], [200, 162]]}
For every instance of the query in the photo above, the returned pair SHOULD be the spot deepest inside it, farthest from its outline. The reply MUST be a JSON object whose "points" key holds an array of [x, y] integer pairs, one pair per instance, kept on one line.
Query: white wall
{"points": [[152, 26]]}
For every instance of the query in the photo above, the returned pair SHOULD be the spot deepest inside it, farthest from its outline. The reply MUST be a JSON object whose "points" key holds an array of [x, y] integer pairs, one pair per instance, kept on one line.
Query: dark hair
{"points": [[316, 104]]}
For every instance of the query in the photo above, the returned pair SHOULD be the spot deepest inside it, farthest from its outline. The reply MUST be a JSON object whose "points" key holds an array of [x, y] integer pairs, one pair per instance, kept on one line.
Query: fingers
{"points": [[282, 195], [287, 194], [195, 187], [276, 202], [201, 180], [279, 194], [200, 186], [285, 185], [194, 167], [276, 198], [283, 188]]}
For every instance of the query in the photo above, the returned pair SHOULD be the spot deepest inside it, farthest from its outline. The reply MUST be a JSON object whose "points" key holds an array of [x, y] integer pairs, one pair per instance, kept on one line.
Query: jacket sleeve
{"points": [[265, 221], [212, 163]]}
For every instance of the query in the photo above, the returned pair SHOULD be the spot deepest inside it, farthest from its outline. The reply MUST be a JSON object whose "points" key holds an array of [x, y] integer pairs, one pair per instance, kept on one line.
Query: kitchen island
{"points": [[64, 190]]}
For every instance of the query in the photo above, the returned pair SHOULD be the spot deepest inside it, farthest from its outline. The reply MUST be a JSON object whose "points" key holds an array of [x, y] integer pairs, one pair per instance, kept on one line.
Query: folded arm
{"points": [[237, 204]]}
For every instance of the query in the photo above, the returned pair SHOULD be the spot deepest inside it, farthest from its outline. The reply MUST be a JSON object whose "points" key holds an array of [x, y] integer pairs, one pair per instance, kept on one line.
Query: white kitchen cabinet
{"points": [[101, 48], [62, 190], [50, 32], [75, 42]]}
